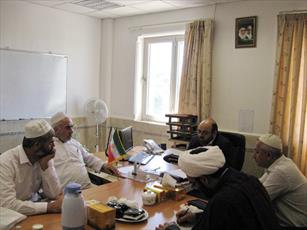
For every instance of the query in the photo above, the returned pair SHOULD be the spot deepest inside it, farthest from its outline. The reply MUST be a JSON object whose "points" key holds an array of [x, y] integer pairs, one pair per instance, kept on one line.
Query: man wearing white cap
{"points": [[238, 201], [284, 182], [27, 168], [71, 159]]}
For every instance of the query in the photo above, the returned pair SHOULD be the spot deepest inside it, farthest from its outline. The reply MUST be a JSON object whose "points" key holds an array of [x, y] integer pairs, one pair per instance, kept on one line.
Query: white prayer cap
{"points": [[271, 140], [37, 128], [57, 117], [203, 163]]}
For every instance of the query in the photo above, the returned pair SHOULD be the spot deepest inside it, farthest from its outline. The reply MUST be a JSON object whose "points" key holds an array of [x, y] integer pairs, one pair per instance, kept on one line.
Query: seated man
{"points": [[284, 182], [71, 159], [27, 168], [208, 135], [238, 201]]}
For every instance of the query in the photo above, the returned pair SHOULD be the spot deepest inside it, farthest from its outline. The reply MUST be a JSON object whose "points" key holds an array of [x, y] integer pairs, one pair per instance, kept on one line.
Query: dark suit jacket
{"points": [[240, 203], [222, 142]]}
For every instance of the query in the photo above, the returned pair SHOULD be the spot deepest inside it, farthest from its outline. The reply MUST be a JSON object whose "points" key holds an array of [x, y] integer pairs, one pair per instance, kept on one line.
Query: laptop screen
{"points": [[126, 137]]}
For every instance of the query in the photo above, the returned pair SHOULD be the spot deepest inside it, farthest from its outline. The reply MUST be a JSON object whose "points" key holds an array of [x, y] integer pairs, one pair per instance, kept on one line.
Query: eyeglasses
{"points": [[68, 126], [203, 132]]}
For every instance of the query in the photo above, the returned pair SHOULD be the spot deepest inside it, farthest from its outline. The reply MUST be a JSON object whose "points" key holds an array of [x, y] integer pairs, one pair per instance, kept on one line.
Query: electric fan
{"points": [[97, 110]]}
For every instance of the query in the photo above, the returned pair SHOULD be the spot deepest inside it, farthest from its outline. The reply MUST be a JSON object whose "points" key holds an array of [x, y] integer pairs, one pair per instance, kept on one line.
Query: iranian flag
{"points": [[116, 150]]}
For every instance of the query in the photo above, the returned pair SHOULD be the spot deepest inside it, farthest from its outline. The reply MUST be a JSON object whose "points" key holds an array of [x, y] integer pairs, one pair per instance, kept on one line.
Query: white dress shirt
{"points": [[287, 188], [20, 181], [70, 162]]}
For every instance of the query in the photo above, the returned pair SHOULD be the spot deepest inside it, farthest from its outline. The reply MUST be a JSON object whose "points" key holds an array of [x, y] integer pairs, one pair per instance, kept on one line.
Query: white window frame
{"points": [[175, 39]]}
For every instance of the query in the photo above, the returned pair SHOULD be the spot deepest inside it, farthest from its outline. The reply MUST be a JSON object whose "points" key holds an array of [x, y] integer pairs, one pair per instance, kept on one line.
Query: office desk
{"points": [[159, 213], [157, 164]]}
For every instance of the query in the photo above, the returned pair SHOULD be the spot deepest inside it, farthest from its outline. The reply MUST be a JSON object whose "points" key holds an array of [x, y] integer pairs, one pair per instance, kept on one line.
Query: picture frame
{"points": [[246, 32]]}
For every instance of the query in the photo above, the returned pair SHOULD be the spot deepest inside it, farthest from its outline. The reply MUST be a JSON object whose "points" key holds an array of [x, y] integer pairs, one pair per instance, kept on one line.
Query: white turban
{"points": [[271, 140], [203, 163], [36, 128], [57, 117]]}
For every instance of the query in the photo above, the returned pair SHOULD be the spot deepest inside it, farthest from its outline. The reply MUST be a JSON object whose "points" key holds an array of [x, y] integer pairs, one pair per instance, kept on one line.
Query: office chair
{"points": [[238, 149]]}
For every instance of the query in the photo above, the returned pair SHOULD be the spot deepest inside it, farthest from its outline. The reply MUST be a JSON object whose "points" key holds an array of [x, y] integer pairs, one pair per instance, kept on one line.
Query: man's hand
{"points": [[55, 205], [185, 216], [44, 161], [107, 168], [170, 226]]}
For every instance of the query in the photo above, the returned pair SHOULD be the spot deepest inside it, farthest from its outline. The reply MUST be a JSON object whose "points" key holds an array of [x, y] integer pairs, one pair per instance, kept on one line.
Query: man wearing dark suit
{"points": [[208, 135]]}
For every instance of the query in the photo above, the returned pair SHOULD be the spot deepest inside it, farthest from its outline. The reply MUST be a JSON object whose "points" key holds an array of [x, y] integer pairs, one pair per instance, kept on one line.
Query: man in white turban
{"points": [[71, 158], [285, 183], [27, 168], [238, 201]]}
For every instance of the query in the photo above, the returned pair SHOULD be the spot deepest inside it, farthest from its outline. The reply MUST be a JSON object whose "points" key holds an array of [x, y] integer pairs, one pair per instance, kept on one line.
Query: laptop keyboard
{"points": [[141, 157]]}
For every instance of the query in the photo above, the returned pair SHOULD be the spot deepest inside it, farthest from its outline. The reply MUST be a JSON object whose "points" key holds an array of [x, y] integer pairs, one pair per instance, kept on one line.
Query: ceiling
{"points": [[122, 8]]}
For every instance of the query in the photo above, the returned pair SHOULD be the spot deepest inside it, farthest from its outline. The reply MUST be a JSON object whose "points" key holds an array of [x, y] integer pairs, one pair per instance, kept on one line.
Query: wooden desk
{"points": [[159, 213], [132, 190], [156, 163]]}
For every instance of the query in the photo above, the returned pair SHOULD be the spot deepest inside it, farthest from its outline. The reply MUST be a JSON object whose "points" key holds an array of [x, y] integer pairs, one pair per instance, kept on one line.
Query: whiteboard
{"points": [[33, 85]]}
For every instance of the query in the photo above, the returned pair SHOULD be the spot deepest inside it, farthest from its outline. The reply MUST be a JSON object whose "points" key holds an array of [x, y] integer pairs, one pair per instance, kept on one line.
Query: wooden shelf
{"points": [[177, 115], [181, 127], [181, 124]]}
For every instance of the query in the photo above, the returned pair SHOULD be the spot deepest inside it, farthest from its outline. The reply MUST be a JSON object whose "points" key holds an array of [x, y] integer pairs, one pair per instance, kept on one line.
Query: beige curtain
{"points": [[289, 117], [195, 87]]}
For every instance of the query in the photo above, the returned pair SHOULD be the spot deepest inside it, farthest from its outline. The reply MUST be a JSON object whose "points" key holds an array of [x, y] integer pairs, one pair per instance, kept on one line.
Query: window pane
{"points": [[178, 72], [158, 81]]}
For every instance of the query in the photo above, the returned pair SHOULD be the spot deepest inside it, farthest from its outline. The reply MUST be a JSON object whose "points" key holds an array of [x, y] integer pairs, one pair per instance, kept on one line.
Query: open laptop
{"points": [[141, 157], [126, 138]]}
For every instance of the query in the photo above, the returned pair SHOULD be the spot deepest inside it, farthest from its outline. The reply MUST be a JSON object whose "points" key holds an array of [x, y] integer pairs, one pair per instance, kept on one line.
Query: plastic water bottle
{"points": [[73, 208]]}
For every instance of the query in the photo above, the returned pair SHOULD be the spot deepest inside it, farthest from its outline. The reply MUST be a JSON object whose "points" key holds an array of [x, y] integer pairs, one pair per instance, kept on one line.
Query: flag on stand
{"points": [[116, 150]]}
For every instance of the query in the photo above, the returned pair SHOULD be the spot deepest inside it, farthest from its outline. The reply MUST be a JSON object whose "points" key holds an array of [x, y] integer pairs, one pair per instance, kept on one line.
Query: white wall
{"points": [[242, 78], [37, 28]]}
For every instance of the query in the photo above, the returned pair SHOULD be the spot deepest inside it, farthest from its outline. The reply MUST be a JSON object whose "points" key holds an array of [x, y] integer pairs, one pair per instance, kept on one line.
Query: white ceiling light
{"points": [[97, 4]]}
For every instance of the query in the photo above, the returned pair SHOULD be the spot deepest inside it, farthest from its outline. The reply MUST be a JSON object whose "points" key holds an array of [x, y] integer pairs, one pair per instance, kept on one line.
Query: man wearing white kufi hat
{"points": [[72, 159], [27, 168], [286, 185], [238, 201]]}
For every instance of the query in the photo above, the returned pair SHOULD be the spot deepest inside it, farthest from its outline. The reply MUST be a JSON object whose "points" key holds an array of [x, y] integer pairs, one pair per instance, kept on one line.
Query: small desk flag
{"points": [[116, 150]]}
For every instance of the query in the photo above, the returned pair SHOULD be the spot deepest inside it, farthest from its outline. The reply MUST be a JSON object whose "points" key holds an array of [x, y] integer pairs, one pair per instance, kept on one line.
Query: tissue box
{"points": [[159, 191], [101, 216], [165, 192], [176, 194]]}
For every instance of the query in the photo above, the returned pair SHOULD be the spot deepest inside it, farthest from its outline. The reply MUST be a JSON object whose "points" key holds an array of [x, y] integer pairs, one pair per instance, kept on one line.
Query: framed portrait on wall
{"points": [[246, 32]]}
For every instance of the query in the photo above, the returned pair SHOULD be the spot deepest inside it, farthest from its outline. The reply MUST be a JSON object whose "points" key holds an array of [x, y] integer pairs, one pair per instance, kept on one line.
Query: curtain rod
{"points": [[159, 24], [293, 11]]}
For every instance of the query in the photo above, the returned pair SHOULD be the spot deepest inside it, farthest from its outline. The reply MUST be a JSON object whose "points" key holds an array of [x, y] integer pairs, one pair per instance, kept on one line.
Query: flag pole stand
{"points": [[97, 138]]}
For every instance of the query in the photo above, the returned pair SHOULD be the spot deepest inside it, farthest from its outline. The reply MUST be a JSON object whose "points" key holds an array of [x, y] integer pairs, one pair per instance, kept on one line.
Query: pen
{"points": [[156, 169]]}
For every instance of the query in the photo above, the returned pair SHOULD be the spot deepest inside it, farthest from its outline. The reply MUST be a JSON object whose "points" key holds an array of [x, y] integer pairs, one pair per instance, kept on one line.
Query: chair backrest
{"points": [[238, 149]]}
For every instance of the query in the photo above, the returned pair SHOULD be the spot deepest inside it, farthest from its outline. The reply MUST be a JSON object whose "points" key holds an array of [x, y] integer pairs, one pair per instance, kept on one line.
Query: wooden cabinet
{"points": [[181, 127]]}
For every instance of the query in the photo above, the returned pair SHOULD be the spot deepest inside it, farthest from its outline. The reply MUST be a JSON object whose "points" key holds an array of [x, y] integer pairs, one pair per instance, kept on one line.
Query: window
{"points": [[162, 66]]}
